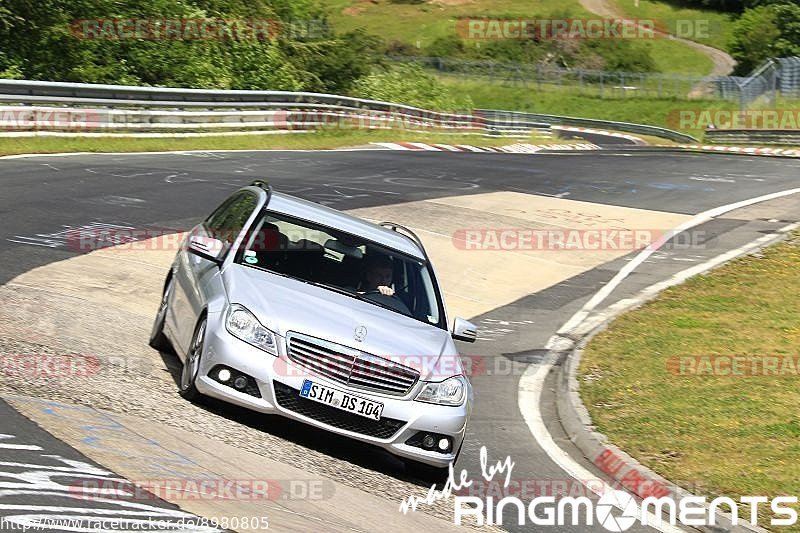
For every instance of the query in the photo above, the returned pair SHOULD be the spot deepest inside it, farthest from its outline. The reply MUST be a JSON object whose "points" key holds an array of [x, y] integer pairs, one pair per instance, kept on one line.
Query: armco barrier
{"points": [[96, 119], [783, 137], [141, 109], [641, 129]]}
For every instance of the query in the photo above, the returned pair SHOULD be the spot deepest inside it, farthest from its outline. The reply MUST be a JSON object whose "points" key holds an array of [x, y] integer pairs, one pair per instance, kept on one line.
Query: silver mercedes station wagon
{"points": [[288, 307]]}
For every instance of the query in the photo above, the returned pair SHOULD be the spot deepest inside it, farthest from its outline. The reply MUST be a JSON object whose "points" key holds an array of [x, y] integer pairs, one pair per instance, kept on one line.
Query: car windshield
{"points": [[343, 263]]}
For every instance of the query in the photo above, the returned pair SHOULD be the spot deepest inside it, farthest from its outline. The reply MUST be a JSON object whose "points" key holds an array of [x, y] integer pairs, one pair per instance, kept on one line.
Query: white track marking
{"points": [[530, 392], [425, 146], [391, 146], [447, 147], [3, 445], [532, 381], [470, 148], [696, 220]]}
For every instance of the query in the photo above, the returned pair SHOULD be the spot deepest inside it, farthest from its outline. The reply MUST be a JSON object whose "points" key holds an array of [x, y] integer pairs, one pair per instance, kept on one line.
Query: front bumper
{"points": [[279, 380]]}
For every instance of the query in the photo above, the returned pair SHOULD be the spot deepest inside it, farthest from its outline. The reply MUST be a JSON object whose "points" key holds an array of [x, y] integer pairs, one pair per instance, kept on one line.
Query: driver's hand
{"points": [[386, 291]]}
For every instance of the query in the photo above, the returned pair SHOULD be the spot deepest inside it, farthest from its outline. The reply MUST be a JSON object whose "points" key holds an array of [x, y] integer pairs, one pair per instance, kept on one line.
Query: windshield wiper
{"points": [[358, 295], [333, 288]]}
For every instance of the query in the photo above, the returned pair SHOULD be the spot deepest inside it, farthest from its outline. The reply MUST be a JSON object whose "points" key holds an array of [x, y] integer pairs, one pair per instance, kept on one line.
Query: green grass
{"points": [[420, 24], [730, 435], [423, 23], [640, 110], [707, 27], [673, 57], [303, 141]]}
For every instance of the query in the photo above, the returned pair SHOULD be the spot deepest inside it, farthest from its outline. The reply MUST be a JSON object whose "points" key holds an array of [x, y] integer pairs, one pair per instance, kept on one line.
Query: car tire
{"points": [[158, 340], [187, 386]]}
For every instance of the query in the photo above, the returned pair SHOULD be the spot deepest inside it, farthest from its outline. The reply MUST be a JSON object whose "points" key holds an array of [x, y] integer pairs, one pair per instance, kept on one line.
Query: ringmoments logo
{"points": [[614, 510]]}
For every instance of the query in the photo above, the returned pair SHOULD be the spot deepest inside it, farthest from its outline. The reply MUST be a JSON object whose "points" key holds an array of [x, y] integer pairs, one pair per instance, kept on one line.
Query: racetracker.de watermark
{"points": [[766, 119], [394, 118], [203, 489], [735, 365], [38, 118], [548, 29], [583, 240], [193, 29], [431, 367], [48, 366], [530, 488]]}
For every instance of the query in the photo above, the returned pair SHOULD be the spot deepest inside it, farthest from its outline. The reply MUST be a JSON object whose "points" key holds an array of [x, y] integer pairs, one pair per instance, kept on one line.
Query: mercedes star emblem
{"points": [[360, 333]]}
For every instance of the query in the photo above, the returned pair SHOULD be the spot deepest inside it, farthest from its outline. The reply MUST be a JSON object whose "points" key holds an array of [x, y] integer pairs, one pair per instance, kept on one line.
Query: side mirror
{"points": [[464, 330], [206, 247]]}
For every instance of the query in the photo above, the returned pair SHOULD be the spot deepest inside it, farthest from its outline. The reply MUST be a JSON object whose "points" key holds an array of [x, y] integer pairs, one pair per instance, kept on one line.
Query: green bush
{"points": [[410, 85], [763, 32], [788, 21], [40, 45], [622, 56], [612, 55]]}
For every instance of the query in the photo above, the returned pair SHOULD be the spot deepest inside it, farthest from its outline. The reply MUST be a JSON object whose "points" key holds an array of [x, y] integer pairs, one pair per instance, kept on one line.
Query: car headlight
{"points": [[243, 325], [451, 391]]}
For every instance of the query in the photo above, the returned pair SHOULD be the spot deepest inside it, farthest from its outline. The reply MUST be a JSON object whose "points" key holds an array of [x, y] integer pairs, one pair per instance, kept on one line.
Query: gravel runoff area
{"points": [[134, 379]]}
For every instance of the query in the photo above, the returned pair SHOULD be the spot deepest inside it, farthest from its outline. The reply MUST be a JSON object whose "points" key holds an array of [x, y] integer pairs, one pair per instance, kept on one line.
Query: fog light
{"points": [[224, 375], [240, 382], [444, 444], [428, 442]]}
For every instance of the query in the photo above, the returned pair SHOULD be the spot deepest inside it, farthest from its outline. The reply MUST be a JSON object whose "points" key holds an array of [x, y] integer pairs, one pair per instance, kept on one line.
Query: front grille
{"points": [[349, 366], [290, 399]]}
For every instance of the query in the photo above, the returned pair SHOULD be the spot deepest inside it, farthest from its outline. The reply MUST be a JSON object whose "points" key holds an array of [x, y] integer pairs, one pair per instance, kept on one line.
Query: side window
{"points": [[214, 221], [229, 219]]}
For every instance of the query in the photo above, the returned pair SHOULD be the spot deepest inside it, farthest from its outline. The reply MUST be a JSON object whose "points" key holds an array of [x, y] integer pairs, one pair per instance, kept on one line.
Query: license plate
{"points": [[341, 400]]}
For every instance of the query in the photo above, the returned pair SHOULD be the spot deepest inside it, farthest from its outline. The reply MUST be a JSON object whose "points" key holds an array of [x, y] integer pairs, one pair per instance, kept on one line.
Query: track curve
{"points": [[43, 196]]}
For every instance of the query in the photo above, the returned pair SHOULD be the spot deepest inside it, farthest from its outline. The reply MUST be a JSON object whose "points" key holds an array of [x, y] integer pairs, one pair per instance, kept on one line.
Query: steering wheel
{"points": [[393, 301], [376, 291]]}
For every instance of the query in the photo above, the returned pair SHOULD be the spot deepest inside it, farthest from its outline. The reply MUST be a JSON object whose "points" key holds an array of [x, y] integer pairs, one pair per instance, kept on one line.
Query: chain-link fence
{"points": [[782, 77], [789, 77]]}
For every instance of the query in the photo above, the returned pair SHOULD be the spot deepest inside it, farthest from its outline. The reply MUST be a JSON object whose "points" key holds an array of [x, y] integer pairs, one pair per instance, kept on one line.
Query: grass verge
{"points": [[320, 140], [692, 62], [716, 434], [421, 23], [704, 26], [640, 110]]}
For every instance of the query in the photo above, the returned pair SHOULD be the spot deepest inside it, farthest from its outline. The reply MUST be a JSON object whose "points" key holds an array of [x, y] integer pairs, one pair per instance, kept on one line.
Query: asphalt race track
{"points": [[43, 197]]}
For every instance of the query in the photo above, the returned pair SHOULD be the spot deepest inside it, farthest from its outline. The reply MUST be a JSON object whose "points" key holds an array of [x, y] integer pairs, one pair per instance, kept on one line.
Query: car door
{"points": [[197, 277]]}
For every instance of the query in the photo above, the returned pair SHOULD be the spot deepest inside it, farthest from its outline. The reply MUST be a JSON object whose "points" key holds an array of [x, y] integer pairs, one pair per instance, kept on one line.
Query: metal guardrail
{"points": [[641, 129], [23, 91], [123, 108], [783, 137]]}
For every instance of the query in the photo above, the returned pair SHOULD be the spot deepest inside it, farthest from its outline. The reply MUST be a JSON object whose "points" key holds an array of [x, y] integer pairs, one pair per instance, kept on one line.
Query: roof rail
{"points": [[262, 184], [402, 230], [265, 186]]}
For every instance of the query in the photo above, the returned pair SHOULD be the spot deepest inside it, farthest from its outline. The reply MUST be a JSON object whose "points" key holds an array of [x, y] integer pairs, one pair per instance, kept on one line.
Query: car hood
{"points": [[287, 305]]}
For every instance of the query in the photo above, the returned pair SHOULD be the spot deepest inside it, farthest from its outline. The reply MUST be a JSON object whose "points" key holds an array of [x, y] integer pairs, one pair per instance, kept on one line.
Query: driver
{"points": [[378, 276]]}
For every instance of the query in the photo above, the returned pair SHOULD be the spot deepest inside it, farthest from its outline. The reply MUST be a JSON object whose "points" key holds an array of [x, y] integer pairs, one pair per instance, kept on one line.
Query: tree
{"points": [[58, 40], [788, 21], [754, 37]]}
